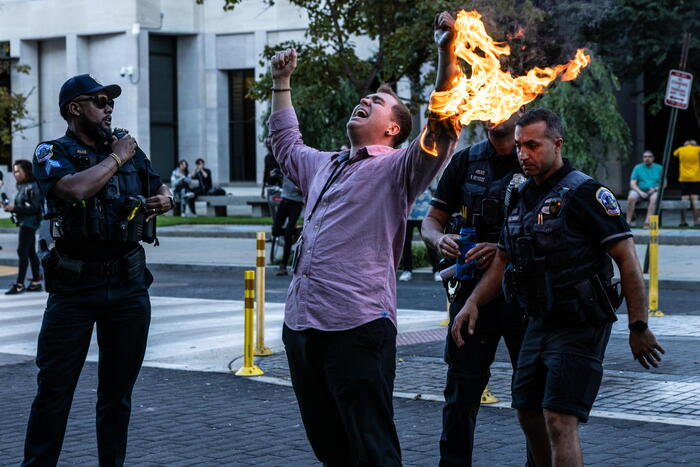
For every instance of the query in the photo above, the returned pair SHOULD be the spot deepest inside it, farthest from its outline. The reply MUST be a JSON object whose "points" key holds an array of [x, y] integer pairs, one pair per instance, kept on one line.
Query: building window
{"points": [[5, 147], [241, 126], [162, 67]]}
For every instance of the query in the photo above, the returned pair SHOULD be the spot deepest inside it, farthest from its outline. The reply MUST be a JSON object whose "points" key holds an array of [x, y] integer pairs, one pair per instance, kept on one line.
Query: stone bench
{"points": [[670, 209]]}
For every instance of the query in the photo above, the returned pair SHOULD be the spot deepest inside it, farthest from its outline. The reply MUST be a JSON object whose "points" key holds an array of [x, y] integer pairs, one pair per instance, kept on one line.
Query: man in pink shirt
{"points": [[340, 314]]}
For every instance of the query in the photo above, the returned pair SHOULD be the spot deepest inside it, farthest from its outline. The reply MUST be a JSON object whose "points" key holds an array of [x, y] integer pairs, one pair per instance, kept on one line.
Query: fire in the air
{"points": [[490, 94]]}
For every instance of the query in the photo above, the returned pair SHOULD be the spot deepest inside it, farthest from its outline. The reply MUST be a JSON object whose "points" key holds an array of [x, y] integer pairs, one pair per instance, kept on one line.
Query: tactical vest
{"points": [[554, 271], [483, 195], [116, 213]]}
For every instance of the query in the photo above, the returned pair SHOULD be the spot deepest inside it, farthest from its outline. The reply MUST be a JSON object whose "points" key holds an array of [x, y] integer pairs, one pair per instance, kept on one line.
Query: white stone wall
{"points": [[61, 38]]}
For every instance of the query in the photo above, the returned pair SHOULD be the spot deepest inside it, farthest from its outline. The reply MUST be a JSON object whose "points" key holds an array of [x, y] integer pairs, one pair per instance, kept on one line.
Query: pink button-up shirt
{"points": [[346, 274]]}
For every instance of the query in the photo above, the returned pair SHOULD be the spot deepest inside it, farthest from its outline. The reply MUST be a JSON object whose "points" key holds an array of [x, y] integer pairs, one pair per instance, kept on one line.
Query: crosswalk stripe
{"points": [[191, 333]]}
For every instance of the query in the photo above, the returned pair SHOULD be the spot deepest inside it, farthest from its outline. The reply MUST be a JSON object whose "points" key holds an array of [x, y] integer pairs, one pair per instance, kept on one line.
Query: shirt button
{"points": [[306, 275], [316, 226]]}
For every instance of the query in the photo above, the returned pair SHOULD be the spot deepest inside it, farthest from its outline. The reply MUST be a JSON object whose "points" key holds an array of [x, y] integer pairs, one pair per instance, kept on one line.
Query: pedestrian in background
{"points": [[26, 212], [689, 176], [415, 220], [645, 181], [286, 219], [181, 184], [203, 176]]}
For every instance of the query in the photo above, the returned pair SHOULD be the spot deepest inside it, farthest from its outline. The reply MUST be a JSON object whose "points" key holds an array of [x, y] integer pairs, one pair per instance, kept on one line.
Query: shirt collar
{"points": [[372, 151], [558, 175]]}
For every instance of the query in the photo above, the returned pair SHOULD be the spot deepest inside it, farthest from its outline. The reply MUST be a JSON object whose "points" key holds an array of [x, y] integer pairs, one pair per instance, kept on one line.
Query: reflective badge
{"points": [[608, 201], [43, 152], [51, 163]]}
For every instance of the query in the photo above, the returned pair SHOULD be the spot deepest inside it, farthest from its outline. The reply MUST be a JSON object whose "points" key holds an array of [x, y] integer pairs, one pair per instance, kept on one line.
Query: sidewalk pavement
{"points": [[231, 248]]}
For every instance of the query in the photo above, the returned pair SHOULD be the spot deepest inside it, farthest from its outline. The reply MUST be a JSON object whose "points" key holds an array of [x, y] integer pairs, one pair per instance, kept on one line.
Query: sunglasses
{"points": [[100, 101]]}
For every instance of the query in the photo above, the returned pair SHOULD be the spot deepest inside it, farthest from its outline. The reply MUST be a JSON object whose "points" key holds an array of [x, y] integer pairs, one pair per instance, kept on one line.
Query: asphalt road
{"points": [[416, 294]]}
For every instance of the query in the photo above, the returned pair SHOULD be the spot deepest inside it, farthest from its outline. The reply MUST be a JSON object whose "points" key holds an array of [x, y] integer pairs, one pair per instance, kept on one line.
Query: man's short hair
{"points": [[199, 161], [554, 128], [649, 151], [402, 116]]}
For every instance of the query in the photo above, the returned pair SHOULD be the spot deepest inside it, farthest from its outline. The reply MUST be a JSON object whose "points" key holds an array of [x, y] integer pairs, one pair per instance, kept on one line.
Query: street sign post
{"points": [[678, 89]]}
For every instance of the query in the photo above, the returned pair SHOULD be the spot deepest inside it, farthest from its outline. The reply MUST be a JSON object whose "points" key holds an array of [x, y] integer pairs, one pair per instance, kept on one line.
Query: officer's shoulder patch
{"points": [[608, 201], [43, 152]]}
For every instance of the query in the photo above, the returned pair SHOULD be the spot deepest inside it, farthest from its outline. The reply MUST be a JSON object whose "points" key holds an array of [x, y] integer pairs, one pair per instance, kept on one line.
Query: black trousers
{"points": [[468, 372], [122, 312], [407, 254], [343, 381], [26, 253], [288, 210]]}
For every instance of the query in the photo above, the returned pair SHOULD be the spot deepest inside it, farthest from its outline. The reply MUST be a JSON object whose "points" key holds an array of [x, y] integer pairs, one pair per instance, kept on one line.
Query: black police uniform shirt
{"points": [[52, 162], [448, 196], [593, 209]]}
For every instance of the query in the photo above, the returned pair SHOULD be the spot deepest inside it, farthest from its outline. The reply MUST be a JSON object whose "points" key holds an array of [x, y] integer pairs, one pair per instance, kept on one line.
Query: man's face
{"points": [[373, 116], [648, 159], [537, 152], [96, 113]]}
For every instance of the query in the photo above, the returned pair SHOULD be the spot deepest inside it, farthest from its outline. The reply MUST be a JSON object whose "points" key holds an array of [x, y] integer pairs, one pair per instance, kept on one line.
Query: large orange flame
{"points": [[490, 94]]}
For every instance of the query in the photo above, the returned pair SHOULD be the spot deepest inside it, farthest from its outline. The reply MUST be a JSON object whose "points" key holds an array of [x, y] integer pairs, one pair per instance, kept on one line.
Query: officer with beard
{"points": [[102, 197]]}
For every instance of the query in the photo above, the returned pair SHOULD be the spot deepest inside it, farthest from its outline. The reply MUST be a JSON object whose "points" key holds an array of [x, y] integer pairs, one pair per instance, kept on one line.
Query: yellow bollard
{"points": [[248, 368], [487, 397], [446, 321], [260, 348], [654, 267]]}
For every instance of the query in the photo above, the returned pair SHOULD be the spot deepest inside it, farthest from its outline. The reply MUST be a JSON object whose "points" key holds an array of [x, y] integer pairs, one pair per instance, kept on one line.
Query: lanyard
{"points": [[343, 161]]}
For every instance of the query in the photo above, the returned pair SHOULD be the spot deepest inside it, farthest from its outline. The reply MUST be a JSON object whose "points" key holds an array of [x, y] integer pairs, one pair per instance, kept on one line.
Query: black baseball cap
{"points": [[84, 84]]}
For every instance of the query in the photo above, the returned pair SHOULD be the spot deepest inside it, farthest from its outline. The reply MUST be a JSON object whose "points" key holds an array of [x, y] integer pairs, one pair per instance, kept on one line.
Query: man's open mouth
{"points": [[360, 112]]}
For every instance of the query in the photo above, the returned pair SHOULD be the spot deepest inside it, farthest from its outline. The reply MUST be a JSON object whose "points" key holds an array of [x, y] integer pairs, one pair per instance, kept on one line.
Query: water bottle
{"points": [[467, 241]]}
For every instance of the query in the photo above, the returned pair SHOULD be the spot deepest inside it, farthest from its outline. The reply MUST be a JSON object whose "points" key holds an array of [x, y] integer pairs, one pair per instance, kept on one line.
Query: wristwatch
{"points": [[172, 201], [638, 326]]}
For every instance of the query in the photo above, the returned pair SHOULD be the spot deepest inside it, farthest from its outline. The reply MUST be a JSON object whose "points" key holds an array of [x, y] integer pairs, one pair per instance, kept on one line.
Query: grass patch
{"points": [[6, 223], [210, 220]]}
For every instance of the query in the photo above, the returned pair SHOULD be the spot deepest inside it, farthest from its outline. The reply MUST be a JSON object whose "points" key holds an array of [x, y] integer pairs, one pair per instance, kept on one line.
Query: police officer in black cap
{"points": [[562, 229], [102, 197], [474, 183]]}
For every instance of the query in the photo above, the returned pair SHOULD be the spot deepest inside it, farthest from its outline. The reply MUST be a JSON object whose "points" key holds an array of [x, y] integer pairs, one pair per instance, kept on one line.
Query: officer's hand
{"points": [[483, 254], [9, 207], [156, 205], [448, 245], [645, 348], [125, 147], [284, 63], [467, 315]]}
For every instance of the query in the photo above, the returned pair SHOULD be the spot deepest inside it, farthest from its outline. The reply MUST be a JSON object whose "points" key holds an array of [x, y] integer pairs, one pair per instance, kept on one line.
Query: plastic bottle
{"points": [[467, 241]]}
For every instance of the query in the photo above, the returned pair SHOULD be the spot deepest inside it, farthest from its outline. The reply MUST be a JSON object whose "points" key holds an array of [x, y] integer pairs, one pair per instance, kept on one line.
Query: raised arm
{"points": [[283, 65], [298, 161], [439, 137]]}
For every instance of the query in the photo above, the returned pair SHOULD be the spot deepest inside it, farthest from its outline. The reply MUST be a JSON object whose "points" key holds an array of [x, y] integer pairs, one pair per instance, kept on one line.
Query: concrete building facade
{"points": [[184, 69]]}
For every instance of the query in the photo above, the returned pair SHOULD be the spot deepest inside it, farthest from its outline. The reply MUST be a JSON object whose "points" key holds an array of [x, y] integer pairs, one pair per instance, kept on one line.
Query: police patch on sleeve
{"points": [[43, 152], [608, 201]]}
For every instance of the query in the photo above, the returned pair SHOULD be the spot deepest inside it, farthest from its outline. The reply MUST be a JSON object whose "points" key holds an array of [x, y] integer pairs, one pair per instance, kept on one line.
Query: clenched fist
{"points": [[283, 64]]}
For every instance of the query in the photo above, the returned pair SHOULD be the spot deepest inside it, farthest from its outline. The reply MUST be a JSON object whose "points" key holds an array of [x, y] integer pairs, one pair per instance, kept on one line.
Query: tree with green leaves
{"points": [[12, 104], [334, 74]]}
